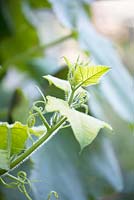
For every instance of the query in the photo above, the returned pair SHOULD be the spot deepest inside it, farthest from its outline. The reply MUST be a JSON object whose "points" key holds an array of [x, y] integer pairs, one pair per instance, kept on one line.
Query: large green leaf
{"points": [[12, 140], [89, 75], [85, 127]]}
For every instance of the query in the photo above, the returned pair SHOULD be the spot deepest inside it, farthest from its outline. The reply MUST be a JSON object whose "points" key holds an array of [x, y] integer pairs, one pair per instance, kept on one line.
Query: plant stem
{"points": [[34, 147], [26, 194], [71, 97], [42, 118], [39, 142], [23, 185], [13, 177]]}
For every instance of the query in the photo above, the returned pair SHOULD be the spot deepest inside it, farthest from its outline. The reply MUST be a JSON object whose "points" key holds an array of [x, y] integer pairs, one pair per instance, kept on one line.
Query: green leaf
{"points": [[40, 4], [89, 75], [55, 104], [103, 52], [13, 136], [85, 127], [12, 140], [67, 62], [59, 83], [62, 84], [14, 48]]}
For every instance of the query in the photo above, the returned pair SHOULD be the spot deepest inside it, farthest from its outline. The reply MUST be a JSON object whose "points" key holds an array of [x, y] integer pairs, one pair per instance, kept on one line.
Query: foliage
{"points": [[21, 46], [14, 136], [12, 141], [84, 127]]}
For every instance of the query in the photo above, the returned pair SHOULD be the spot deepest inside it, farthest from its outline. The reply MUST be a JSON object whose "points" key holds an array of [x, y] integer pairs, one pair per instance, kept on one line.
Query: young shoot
{"points": [[13, 149]]}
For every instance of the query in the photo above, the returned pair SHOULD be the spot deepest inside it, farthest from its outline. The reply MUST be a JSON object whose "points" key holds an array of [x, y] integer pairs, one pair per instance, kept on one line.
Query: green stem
{"points": [[13, 178], [42, 118], [71, 97], [30, 51], [23, 186], [25, 193], [39, 142], [34, 147]]}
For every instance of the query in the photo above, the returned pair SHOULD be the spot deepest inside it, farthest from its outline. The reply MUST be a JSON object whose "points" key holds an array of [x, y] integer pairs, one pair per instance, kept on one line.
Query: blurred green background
{"points": [[34, 37]]}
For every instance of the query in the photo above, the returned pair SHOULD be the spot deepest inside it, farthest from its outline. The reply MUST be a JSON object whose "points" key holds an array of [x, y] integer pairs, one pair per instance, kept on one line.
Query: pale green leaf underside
{"points": [[12, 140], [89, 75], [61, 84], [85, 127]]}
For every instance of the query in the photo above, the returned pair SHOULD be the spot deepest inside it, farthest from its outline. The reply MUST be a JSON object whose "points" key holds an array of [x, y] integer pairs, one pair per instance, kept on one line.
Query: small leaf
{"points": [[85, 127], [62, 84], [59, 83], [67, 62], [89, 75]]}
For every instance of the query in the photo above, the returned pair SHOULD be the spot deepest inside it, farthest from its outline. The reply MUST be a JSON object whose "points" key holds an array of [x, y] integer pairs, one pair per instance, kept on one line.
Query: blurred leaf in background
{"points": [[23, 34]]}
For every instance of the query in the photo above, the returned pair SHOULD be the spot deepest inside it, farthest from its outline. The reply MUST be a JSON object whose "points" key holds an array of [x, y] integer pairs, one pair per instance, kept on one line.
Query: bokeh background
{"points": [[34, 37]]}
